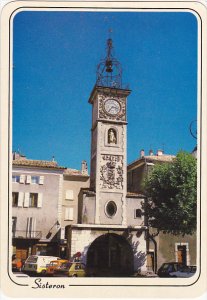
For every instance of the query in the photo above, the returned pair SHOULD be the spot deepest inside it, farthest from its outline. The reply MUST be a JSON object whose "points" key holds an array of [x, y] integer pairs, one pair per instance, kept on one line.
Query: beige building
{"points": [[164, 247], [73, 182], [44, 203], [36, 206]]}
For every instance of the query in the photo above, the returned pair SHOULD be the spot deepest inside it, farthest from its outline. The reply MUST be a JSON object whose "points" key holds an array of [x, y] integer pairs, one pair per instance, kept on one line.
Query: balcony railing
{"points": [[22, 234]]}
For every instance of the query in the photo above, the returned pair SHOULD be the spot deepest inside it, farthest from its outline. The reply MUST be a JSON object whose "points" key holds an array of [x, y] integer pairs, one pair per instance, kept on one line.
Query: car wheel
{"points": [[43, 272]]}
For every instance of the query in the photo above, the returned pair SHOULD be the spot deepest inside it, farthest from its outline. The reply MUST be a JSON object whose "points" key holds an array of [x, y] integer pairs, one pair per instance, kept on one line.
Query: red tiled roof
{"points": [[151, 158], [36, 163]]}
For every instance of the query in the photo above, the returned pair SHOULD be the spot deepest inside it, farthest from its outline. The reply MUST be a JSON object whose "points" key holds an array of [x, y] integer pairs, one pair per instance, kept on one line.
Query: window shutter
{"points": [[26, 200], [22, 179], [33, 227], [66, 213], [29, 227], [41, 180], [28, 181], [39, 201], [62, 233], [20, 199], [69, 213], [69, 195]]}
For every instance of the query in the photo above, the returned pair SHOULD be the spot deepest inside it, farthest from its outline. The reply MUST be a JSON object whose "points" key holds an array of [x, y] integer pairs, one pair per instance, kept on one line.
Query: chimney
{"points": [[151, 152], [18, 155], [142, 153], [160, 152], [84, 167]]}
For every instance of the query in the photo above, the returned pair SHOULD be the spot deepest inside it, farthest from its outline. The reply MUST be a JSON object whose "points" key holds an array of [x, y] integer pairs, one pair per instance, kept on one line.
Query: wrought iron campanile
{"points": [[109, 71]]}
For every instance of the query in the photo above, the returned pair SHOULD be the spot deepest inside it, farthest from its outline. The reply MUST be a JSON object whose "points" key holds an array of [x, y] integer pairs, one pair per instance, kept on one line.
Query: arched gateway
{"points": [[110, 255]]}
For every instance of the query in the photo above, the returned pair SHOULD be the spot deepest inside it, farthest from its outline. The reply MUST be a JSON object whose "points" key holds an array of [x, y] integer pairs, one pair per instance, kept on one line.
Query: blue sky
{"points": [[55, 55]]}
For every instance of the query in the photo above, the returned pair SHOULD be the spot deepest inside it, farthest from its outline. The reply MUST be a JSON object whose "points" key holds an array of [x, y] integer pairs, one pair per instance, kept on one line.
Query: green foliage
{"points": [[171, 190]]}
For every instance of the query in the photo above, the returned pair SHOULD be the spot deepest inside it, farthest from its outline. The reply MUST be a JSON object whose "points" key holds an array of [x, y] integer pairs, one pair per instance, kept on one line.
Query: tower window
{"points": [[138, 213], [111, 208]]}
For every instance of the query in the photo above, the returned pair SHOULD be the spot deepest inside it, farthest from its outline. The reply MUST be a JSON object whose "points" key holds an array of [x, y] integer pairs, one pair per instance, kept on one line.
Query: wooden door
{"points": [[150, 261], [182, 257]]}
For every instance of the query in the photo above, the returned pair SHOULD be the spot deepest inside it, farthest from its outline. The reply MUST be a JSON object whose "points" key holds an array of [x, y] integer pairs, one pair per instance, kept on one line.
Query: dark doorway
{"points": [[182, 254], [110, 255]]}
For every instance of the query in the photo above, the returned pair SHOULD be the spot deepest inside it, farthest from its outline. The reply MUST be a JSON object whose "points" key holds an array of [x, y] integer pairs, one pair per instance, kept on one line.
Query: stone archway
{"points": [[110, 255]]}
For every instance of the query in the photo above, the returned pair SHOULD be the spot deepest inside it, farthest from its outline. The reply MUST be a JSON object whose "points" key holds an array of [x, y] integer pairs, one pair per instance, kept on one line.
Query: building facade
{"points": [[164, 247], [36, 206], [44, 203]]}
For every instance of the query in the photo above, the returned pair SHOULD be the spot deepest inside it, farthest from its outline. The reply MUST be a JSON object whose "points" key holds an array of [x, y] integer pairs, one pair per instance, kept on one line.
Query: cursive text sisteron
{"points": [[41, 285]]}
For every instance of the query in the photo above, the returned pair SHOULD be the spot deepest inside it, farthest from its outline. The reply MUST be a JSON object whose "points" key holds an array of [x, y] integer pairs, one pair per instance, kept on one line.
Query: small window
{"points": [[15, 197], [35, 179], [33, 198], [15, 178], [69, 195], [138, 213], [111, 208], [69, 213]]}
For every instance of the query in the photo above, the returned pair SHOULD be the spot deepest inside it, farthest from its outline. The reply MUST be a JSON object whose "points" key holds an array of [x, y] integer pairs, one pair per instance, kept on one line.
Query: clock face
{"points": [[112, 107]]}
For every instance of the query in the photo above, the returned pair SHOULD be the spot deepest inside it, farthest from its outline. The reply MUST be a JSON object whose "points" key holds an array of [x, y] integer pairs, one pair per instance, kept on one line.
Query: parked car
{"points": [[36, 264], [175, 269], [184, 272], [53, 265], [17, 264], [71, 269]]}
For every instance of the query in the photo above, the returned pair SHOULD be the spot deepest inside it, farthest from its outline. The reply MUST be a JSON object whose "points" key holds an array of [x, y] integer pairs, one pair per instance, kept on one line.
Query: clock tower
{"points": [[109, 142]]}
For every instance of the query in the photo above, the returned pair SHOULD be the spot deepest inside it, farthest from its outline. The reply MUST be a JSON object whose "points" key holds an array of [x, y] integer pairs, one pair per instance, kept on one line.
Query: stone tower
{"points": [[109, 142]]}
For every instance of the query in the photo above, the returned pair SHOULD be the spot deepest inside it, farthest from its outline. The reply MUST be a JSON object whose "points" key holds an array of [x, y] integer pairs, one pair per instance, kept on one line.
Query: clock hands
{"points": [[113, 107]]}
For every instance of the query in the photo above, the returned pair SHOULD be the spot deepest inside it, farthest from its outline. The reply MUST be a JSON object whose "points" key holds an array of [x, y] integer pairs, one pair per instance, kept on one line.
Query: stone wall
{"points": [[82, 238]]}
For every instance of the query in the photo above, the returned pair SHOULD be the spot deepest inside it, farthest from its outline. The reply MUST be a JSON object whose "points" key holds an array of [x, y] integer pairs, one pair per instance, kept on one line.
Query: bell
{"points": [[109, 66]]}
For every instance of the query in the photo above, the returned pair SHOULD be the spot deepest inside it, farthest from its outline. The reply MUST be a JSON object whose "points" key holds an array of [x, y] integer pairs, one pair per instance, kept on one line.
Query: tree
{"points": [[171, 190]]}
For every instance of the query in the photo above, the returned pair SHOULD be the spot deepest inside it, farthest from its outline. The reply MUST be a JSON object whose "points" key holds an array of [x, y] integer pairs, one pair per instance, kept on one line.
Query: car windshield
{"points": [[165, 266], [53, 263], [65, 265], [32, 259]]}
